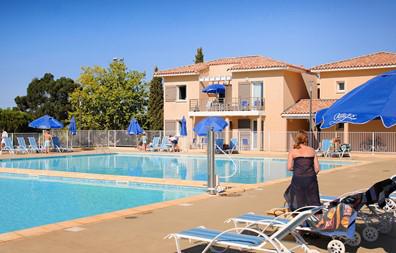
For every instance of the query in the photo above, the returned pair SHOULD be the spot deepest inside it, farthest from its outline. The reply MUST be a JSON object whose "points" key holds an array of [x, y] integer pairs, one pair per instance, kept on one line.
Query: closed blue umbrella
{"points": [[375, 99], [73, 126], [215, 89], [183, 127], [45, 122], [215, 123], [134, 128]]}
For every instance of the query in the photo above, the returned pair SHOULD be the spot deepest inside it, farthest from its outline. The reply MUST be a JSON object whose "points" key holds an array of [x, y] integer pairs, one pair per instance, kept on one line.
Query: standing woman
{"points": [[302, 160]]}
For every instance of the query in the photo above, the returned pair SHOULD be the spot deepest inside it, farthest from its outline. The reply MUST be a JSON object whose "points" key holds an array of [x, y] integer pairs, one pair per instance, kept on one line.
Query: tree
{"points": [[155, 112], [199, 56], [13, 120], [109, 97], [47, 96]]}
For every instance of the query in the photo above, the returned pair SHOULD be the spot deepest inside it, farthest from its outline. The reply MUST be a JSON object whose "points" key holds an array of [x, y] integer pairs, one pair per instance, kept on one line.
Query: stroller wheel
{"points": [[370, 234], [335, 246], [390, 205], [355, 241]]}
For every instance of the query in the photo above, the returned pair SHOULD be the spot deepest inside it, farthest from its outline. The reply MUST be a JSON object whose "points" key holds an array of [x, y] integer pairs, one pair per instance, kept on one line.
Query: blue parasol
{"points": [[375, 99], [215, 123], [73, 126], [45, 122], [183, 127], [134, 128], [215, 89]]}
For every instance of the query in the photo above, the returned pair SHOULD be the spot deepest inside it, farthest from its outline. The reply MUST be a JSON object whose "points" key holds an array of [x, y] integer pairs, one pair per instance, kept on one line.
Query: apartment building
{"points": [[253, 93]]}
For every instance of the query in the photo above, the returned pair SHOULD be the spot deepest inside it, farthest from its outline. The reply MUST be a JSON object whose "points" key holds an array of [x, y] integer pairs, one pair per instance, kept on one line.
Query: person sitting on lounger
{"points": [[303, 162], [174, 140], [47, 141]]}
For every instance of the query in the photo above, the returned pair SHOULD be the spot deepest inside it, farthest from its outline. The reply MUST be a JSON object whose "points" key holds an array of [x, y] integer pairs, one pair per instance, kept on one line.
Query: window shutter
{"points": [[170, 93], [244, 90]]}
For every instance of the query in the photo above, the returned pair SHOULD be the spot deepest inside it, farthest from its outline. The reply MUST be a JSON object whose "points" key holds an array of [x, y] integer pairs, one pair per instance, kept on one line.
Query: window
{"points": [[318, 93], [340, 127], [340, 87], [244, 123], [182, 92]]}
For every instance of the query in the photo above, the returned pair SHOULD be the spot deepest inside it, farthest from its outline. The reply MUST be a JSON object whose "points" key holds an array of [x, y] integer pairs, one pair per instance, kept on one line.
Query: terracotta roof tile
{"points": [[239, 63], [380, 59], [188, 69], [302, 106]]}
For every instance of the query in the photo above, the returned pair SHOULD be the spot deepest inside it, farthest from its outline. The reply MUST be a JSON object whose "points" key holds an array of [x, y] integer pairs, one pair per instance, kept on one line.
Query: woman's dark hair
{"points": [[301, 138]]}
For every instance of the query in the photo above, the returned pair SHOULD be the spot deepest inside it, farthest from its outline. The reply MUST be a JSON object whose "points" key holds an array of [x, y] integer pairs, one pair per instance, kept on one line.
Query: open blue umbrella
{"points": [[134, 128], [215, 89], [183, 127], [215, 123], [45, 122], [375, 99], [73, 126]]}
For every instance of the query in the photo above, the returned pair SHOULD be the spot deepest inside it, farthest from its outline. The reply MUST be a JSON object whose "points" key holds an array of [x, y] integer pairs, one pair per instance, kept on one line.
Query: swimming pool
{"points": [[28, 201], [247, 170]]}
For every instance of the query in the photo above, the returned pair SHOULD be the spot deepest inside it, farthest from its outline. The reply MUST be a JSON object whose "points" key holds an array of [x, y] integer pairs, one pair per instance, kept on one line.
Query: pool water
{"points": [[240, 170], [33, 201]]}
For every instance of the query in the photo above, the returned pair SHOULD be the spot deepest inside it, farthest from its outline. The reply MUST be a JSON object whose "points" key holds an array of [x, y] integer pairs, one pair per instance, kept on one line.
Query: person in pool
{"points": [[47, 141]]}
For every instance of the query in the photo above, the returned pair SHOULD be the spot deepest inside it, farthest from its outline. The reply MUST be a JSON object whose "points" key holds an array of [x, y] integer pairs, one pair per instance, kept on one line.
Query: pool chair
{"points": [[324, 149], [58, 146], [233, 238], [154, 145], [8, 146], [22, 147], [343, 150], [33, 145], [341, 234], [245, 143], [165, 144], [219, 146], [233, 147]]}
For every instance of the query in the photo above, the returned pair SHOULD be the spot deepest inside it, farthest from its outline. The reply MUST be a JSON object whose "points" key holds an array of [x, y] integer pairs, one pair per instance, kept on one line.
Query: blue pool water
{"points": [[247, 170], [28, 202]]}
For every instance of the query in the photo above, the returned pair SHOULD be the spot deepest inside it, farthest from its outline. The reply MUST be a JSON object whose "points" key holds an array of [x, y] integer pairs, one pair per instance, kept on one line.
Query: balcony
{"points": [[226, 104]]}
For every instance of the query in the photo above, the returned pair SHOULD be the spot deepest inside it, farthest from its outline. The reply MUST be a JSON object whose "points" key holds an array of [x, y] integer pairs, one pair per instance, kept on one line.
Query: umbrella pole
{"points": [[211, 164]]}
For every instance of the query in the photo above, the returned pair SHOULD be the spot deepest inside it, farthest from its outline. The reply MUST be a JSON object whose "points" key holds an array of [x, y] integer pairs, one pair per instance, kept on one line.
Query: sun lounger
{"points": [[344, 150], [58, 146], [265, 222], [165, 144], [33, 145], [154, 145], [259, 242], [219, 145], [22, 145], [324, 148], [233, 147], [8, 146]]}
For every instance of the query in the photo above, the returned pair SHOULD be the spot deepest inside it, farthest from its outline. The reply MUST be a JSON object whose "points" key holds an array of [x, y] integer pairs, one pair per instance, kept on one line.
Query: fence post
{"points": [[108, 138], [373, 143], [115, 138]]}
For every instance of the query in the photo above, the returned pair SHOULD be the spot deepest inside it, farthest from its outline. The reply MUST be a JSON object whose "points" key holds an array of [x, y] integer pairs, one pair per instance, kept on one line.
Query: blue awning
{"points": [[45, 122], [372, 100], [216, 88]]}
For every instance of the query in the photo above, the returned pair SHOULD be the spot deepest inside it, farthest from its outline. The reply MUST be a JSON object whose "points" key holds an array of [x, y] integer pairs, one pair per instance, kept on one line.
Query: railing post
{"points": [[115, 138], [372, 143]]}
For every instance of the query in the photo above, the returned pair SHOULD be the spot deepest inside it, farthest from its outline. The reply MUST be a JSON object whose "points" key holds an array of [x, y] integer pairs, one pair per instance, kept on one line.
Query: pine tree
{"points": [[156, 103], [199, 56]]}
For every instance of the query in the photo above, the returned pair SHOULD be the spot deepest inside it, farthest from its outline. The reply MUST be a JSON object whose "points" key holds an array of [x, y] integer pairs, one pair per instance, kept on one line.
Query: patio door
{"points": [[255, 134], [257, 94]]}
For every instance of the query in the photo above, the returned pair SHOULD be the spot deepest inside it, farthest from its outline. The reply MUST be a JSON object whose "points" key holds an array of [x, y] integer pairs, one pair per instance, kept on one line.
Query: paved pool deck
{"points": [[144, 230]]}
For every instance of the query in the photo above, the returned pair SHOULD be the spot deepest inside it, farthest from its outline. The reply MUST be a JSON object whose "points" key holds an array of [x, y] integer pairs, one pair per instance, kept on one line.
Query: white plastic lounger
{"points": [[261, 242], [22, 147]]}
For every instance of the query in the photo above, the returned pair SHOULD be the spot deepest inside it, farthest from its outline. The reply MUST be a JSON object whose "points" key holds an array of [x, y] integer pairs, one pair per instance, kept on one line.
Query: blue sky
{"points": [[62, 36]]}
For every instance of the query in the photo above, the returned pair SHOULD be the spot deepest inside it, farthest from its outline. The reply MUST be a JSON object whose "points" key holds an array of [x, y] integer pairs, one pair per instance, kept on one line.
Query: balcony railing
{"points": [[226, 104]]}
